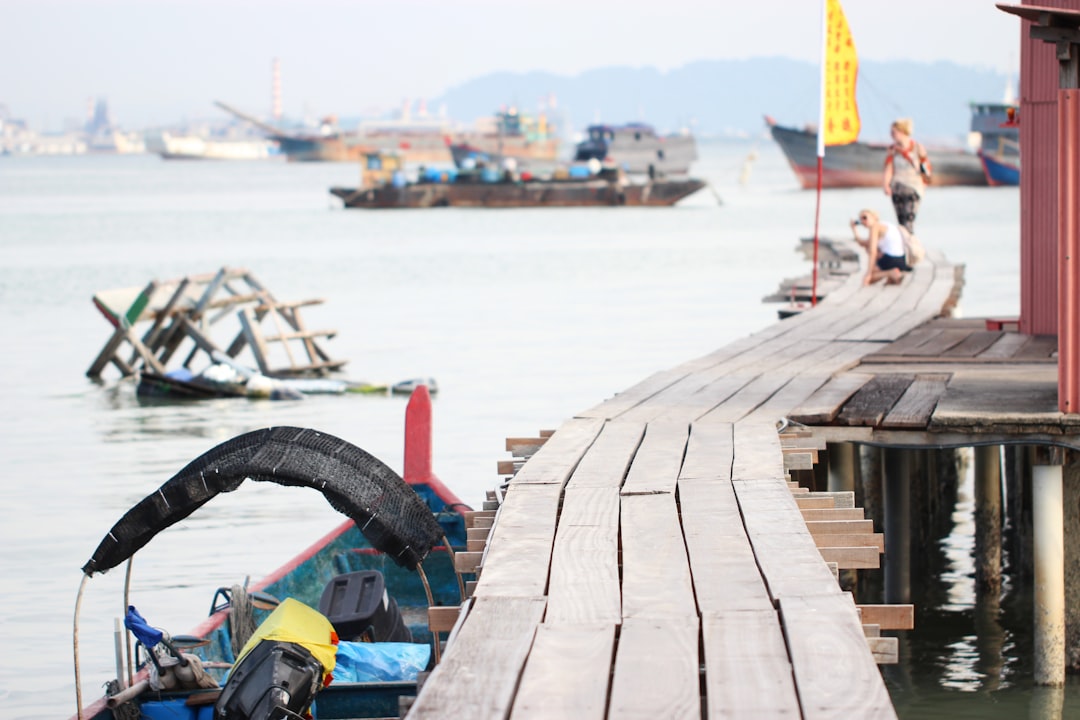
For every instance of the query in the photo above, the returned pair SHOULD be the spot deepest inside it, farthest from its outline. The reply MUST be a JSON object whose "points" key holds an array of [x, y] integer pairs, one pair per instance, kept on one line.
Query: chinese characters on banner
{"points": [[841, 115]]}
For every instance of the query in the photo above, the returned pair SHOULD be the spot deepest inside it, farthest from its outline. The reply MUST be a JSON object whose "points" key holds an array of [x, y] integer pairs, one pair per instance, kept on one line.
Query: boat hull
{"points": [[861, 164], [520, 194], [1000, 172]]}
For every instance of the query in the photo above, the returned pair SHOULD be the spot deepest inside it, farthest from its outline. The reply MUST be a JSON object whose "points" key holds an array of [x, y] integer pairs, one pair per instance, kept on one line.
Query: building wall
{"points": [[1038, 179]]}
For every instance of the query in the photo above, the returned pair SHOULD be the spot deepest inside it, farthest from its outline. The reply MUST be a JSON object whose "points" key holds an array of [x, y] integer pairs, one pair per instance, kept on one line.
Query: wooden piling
{"points": [[988, 519], [897, 505], [1049, 575]]}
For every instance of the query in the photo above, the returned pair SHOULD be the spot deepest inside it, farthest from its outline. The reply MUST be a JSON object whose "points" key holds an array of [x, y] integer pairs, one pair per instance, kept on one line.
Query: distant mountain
{"points": [[731, 97]]}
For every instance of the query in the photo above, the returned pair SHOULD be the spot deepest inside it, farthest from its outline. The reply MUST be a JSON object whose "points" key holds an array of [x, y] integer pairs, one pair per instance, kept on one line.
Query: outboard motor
{"points": [[359, 608], [282, 667], [276, 680]]}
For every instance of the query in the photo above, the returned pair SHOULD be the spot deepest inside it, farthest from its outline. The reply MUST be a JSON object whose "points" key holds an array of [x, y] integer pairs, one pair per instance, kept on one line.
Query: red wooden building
{"points": [[1050, 182]]}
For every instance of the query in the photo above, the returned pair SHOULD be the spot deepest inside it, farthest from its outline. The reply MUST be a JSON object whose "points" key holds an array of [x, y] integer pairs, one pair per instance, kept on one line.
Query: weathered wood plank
{"points": [[851, 558], [798, 461], [757, 452], [885, 650], [842, 527], [479, 673], [655, 468], [1007, 346], [584, 585], [889, 617], [863, 539], [723, 568], [607, 459], [916, 405], [656, 572], [871, 403], [518, 555], [747, 671], [709, 452], [974, 344], [784, 549], [656, 670], [824, 405], [835, 673], [560, 454], [834, 514], [575, 660], [443, 618]]}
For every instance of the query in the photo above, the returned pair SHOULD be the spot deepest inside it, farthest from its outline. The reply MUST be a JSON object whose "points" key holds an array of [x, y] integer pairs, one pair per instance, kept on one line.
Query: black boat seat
{"points": [[359, 608]]}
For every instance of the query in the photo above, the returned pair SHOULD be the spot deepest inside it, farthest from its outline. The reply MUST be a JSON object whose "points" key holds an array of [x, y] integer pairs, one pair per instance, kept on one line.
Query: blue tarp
{"points": [[380, 662]]}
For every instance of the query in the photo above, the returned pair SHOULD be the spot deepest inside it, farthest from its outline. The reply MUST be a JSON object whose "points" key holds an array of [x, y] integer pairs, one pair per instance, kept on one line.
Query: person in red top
{"points": [[907, 172]]}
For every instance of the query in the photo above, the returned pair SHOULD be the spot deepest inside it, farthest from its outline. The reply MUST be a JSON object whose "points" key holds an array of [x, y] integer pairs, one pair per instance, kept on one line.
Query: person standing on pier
{"points": [[907, 172], [884, 245]]}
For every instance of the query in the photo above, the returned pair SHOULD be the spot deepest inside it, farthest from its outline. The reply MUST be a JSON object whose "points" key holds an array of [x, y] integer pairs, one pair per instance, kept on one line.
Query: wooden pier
{"points": [[653, 557]]}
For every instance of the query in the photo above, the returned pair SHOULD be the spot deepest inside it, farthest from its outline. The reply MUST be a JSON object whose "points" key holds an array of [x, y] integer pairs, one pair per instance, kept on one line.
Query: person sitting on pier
{"points": [[885, 247]]}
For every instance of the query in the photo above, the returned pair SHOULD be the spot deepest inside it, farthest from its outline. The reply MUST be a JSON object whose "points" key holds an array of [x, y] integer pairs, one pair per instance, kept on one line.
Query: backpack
{"points": [[913, 249]]}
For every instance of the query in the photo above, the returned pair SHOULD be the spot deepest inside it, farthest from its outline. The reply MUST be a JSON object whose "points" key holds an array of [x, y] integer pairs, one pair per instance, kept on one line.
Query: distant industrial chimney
{"points": [[275, 108]]}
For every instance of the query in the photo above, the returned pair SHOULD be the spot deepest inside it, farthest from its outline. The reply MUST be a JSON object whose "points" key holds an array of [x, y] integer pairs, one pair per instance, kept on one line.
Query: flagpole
{"points": [[820, 147]]}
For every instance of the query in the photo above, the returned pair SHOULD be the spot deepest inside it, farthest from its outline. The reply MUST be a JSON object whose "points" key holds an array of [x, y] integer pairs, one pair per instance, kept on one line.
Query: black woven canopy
{"points": [[388, 512]]}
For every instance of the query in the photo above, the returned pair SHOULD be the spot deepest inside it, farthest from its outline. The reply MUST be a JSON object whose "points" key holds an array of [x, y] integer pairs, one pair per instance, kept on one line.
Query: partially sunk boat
{"points": [[373, 579], [861, 164], [383, 185]]}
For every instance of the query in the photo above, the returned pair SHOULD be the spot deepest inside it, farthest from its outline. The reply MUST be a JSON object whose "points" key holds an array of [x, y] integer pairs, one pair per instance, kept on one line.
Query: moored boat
{"points": [[638, 149], [172, 146], [1000, 171], [533, 193], [860, 164], [995, 132], [383, 185], [372, 580]]}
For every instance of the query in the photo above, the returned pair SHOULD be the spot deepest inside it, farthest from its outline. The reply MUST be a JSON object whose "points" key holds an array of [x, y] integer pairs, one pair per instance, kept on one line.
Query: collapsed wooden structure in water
{"points": [[684, 548], [176, 319]]}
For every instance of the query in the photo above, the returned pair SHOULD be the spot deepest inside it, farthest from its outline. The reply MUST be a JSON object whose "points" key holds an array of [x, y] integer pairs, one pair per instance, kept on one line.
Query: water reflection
{"points": [[970, 654]]}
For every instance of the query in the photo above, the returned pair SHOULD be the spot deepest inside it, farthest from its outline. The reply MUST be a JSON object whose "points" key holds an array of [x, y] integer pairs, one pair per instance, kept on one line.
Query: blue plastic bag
{"points": [[380, 662]]}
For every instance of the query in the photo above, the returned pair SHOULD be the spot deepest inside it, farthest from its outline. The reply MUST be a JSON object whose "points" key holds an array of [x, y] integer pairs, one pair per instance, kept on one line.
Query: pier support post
{"points": [[988, 519], [841, 467], [897, 503], [1071, 492], [1047, 518]]}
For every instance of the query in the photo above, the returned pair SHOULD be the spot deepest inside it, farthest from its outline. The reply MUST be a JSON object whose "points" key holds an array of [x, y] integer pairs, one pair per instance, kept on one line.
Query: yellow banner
{"points": [[841, 68]]}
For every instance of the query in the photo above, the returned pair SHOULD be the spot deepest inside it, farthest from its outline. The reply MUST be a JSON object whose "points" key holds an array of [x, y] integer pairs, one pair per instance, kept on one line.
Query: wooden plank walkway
{"points": [[651, 557]]}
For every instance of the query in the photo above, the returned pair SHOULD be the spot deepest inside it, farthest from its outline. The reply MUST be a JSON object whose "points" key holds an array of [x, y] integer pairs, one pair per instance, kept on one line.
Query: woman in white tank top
{"points": [[884, 246]]}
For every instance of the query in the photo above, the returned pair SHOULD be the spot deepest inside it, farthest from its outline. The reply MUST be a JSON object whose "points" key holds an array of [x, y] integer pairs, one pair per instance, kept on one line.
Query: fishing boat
{"points": [[995, 133], [340, 631], [383, 185], [638, 148], [860, 164]]}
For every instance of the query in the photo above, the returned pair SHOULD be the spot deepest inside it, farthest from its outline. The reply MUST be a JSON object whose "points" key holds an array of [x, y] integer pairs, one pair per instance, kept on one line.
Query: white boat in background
{"points": [[195, 147]]}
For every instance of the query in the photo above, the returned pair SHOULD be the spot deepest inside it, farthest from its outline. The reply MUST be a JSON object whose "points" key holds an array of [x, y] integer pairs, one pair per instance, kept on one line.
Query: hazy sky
{"points": [[160, 61]]}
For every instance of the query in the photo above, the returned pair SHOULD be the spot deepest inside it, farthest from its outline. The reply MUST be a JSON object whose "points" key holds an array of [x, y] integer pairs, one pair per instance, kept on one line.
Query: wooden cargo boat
{"points": [[861, 164], [393, 557], [383, 185], [533, 193]]}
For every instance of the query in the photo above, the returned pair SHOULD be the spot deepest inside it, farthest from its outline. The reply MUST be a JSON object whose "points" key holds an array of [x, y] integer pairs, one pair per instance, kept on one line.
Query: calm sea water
{"points": [[523, 317]]}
